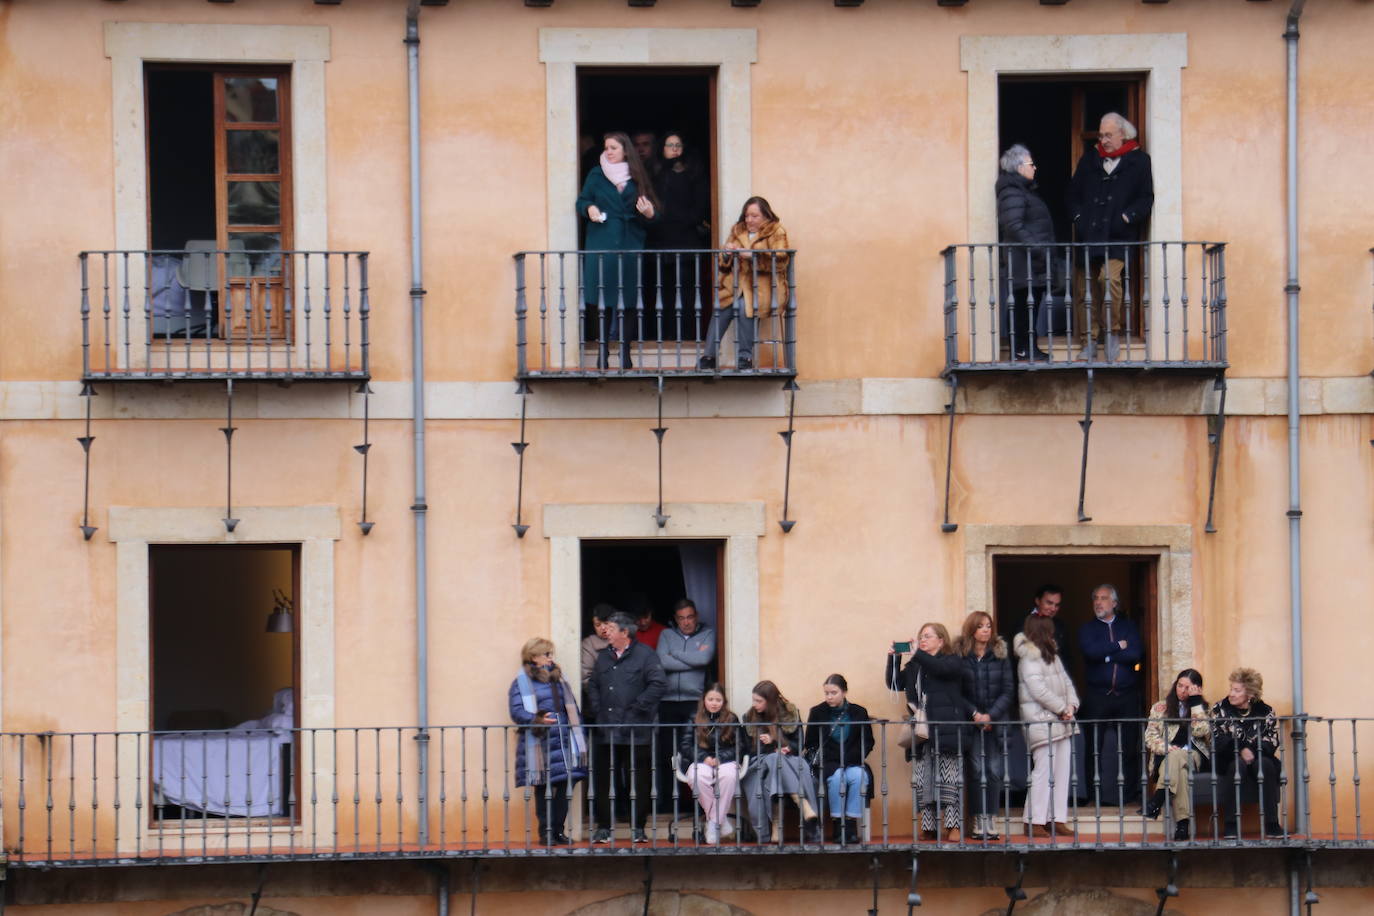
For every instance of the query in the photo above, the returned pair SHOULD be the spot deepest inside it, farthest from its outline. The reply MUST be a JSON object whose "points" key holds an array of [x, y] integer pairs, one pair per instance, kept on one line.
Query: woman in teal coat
{"points": [[618, 202]]}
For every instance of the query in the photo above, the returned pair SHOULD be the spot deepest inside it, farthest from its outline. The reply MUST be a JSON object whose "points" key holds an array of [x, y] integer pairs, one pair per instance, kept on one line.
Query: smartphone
{"points": [[901, 647]]}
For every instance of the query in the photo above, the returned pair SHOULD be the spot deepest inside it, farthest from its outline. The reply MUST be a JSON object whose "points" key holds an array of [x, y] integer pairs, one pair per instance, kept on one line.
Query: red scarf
{"points": [[1121, 150]]}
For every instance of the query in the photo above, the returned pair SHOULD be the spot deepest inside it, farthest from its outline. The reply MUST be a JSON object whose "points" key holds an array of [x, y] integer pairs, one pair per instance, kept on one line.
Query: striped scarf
{"points": [[572, 740]]}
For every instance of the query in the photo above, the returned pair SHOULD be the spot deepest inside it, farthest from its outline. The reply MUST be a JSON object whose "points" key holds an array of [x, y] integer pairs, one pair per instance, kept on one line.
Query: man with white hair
{"points": [[1110, 198]]}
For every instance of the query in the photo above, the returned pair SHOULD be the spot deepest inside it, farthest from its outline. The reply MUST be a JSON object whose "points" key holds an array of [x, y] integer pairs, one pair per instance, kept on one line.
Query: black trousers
{"points": [[551, 809], [629, 765], [1262, 773], [1125, 764]]}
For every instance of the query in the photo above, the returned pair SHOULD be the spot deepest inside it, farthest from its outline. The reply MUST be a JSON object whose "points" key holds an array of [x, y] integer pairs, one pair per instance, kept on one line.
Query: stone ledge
{"points": [[987, 395]]}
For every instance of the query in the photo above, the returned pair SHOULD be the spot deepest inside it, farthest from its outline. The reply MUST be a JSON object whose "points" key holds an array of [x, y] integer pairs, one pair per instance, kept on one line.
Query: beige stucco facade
{"points": [[872, 130]]}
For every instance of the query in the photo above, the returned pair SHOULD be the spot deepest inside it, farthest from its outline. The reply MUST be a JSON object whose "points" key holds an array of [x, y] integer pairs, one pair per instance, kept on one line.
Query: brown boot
{"points": [[1062, 829]]}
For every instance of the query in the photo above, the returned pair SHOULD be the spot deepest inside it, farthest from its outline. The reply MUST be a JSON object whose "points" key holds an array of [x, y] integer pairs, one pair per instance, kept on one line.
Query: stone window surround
{"points": [[1171, 545], [1160, 55], [130, 45], [562, 51], [314, 528], [740, 525]]}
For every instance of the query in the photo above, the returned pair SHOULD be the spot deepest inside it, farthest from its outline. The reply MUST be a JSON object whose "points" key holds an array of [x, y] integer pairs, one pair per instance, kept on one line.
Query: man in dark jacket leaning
{"points": [[1110, 197], [622, 695], [1112, 649]]}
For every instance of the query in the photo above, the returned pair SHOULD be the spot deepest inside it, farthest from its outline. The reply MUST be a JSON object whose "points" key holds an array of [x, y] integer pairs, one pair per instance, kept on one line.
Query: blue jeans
{"points": [[849, 801]]}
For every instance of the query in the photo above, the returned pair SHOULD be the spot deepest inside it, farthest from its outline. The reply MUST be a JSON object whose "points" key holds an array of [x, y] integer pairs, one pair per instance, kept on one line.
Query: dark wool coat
{"points": [[1232, 731], [549, 696], [993, 685], [1097, 200], [947, 686], [1022, 216], [722, 741], [603, 276], [624, 692], [685, 200], [820, 733]]}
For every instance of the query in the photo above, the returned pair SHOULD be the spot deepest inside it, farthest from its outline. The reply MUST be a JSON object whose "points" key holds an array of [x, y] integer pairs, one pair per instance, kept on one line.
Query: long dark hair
{"points": [[772, 706], [1040, 632], [1173, 709], [705, 726], [638, 173]]}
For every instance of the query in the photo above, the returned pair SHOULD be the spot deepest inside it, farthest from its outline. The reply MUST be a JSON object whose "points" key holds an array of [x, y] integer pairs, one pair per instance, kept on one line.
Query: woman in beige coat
{"points": [[1048, 705], [753, 281]]}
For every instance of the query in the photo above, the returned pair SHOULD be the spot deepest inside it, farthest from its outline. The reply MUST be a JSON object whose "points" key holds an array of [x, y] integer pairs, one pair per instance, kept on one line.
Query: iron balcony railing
{"points": [[1141, 305], [207, 313], [617, 314], [91, 798]]}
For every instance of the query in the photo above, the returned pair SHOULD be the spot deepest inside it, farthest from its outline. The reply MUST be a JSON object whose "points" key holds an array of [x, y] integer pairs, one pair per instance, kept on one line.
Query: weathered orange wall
{"points": [[859, 132]]}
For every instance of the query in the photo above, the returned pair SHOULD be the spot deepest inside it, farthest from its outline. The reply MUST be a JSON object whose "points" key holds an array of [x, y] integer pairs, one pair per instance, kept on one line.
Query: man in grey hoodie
{"points": [[686, 651]]}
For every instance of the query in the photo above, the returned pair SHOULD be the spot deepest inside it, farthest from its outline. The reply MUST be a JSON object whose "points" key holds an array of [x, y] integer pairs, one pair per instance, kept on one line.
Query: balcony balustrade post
{"points": [[520, 310]]}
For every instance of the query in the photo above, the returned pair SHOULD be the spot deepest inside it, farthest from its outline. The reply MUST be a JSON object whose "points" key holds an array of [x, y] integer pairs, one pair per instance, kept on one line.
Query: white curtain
{"points": [[699, 578]]}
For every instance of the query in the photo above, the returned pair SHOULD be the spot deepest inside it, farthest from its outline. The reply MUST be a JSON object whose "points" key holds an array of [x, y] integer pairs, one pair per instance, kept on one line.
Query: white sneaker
{"points": [[727, 830], [712, 833]]}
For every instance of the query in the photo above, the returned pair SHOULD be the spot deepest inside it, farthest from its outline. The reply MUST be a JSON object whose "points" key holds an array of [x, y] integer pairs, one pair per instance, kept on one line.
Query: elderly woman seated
{"points": [[1246, 750]]}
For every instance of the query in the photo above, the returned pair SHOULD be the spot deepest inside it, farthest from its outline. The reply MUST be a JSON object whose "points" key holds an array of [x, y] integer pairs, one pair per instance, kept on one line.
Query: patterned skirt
{"points": [[937, 784]]}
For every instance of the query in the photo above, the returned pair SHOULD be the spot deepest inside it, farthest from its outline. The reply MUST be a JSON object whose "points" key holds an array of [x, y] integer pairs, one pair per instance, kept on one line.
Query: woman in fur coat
{"points": [[753, 281]]}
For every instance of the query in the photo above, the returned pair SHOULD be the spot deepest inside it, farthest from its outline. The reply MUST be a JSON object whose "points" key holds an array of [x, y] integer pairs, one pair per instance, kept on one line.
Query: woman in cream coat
{"points": [[1048, 705]]}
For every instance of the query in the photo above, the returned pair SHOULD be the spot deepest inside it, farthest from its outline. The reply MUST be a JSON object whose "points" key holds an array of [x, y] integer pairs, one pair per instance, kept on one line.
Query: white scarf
{"points": [[618, 173]]}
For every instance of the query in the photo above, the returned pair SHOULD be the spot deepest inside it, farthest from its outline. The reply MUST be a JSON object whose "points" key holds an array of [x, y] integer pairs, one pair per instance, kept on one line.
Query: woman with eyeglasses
{"points": [[674, 278]]}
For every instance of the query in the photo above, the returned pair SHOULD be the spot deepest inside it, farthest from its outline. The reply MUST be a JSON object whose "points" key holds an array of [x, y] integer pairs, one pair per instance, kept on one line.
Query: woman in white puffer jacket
{"points": [[1048, 705]]}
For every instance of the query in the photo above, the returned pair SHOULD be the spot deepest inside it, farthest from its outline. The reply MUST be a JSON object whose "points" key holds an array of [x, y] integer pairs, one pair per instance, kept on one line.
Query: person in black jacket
{"points": [[1245, 742], [838, 738], [711, 750], [993, 691], [936, 680], [674, 276], [1110, 197], [623, 696], [1026, 228]]}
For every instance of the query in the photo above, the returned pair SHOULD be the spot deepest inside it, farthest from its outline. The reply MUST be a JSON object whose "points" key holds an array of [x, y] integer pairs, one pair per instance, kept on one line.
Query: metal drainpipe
{"points": [[417, 362], [1291, 290]]}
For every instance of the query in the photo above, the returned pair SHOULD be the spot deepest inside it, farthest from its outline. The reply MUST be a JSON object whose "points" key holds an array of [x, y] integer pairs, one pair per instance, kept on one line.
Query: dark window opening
{"points": [[634, 574], [225, 669], [1017, 578], [1057, 120], [655, 101]]}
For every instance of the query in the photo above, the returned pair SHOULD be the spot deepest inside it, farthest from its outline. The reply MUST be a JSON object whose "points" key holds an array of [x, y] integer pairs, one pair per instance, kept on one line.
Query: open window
{"points": [[219, 182], [225, 669], [630, 574], [1016, 578], [1057, 117]]}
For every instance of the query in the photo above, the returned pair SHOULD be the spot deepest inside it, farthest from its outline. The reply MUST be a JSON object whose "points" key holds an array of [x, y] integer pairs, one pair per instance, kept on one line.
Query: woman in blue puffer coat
{"points": [[550, 745]]}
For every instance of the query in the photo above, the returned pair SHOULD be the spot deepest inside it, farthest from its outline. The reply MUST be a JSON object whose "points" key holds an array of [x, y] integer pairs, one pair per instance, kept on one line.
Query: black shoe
{"points": [[706, 363], [744, 363], [811, 831], [1231, 831], [1039, 354], [839, 832], [1155, 804], [1020, 354], [1274, 829], [637, 835], [1181, 831]]}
